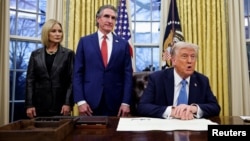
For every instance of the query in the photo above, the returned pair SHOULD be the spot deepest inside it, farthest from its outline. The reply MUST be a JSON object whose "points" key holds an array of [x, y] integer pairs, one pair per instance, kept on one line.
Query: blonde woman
{"points": [[49, 75]]}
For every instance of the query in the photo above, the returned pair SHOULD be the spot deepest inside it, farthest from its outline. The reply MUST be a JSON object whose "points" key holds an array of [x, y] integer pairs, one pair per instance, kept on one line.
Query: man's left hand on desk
{"points": [[184, 112]]}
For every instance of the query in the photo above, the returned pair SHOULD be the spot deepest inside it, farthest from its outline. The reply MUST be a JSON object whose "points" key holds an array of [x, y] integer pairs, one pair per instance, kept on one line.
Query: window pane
{"points": [[42, 6], [26, 24], [156, 56], [41, 21], [12, 53], [247, 27], [27, 5], [10, 112], [11, 84], [23, 52], [145, 17], [141, 11], [143, 32], [145, 10], [246, 7], [156, 7], [143, 59], [19, 53], [155, 32], [13, 4], [17, 81], [20, 85], [19, 111], [40, 45], [12, 22]]}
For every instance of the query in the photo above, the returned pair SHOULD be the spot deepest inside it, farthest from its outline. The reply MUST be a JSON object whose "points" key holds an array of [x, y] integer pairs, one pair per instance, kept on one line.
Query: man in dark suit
{"points": [[160, 98], [100, 88]]}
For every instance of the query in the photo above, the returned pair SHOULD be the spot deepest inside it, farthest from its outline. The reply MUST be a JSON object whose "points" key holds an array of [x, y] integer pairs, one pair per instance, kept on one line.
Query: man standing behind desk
{"points": [[160, 98], [103, 87]]}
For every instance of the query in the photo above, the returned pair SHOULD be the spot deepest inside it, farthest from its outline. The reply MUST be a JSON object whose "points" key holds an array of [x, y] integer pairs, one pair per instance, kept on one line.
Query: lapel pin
{"points": [[195, 84]]}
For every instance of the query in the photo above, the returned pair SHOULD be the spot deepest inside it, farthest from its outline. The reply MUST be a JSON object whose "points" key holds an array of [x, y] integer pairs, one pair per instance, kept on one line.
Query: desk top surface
{"points": [[110, 134]]}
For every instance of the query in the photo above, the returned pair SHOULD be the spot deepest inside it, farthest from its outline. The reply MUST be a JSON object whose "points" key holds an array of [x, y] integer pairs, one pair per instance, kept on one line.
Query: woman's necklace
{"points": [[51, 52]]}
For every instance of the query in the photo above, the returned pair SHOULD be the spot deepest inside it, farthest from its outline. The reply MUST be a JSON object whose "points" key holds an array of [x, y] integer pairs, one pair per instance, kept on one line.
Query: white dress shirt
{"points": [[177, 88], [109, 41]]}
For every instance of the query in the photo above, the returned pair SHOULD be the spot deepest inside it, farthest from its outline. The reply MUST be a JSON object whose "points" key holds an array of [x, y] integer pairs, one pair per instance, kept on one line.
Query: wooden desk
{"points": [[110, 133]]}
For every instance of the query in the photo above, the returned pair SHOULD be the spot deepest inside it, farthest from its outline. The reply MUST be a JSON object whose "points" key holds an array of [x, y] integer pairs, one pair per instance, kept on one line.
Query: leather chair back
{"points": [[140, 81]]}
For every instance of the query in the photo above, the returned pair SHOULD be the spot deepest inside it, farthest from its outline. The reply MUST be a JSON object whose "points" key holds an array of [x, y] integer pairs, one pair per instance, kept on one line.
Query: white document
{"points": [[149, 124], [245, 117]]}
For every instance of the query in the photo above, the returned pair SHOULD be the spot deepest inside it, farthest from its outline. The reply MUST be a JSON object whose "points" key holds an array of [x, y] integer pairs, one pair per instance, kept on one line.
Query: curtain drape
{"points": [[240, 87], [79, 20], [4, 62], [54, 10], [204, 23]]}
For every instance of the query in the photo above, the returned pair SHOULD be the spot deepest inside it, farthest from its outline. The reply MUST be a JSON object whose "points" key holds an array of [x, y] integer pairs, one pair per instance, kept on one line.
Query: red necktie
{"points": [[104, 50]]}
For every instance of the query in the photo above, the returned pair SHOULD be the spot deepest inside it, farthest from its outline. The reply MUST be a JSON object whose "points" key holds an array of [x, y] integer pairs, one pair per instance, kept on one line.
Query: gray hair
{"points": [[100, 10], [181, 44]]}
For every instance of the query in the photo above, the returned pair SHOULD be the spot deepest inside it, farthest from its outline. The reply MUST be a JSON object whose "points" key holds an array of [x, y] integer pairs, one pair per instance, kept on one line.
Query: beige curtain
{"points": [[204, 23], [79, 20], [240, 87], [4, 62], [163, 22], [54, 10]]}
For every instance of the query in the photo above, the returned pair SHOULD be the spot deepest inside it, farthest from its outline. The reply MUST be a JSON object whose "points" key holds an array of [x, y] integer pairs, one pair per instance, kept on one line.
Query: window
{"points": [[26, 20], [247, 28], [145, 17]]}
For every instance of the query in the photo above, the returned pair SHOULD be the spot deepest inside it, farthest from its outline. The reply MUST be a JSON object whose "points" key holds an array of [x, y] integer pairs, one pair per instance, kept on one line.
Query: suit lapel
{"points": [[169, 85], [96, 46], [115, 48], [41, 61], [193, 89]]}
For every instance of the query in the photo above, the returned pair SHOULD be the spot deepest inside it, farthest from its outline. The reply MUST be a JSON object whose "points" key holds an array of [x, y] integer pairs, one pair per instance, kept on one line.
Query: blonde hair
{"points": [[48, 25]]}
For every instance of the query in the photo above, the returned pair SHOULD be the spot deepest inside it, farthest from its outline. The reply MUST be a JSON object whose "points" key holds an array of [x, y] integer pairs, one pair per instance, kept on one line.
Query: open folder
{"points": [[149, 124]]}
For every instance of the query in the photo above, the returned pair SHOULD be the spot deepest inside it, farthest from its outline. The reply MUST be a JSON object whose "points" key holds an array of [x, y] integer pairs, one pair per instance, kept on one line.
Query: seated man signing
{"points": [[180, 91]]}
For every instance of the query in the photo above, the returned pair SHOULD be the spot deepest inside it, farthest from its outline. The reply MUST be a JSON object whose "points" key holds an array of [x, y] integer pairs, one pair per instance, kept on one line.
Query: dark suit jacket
{"points": [[92, 79], [49, 93], [160, 93]]}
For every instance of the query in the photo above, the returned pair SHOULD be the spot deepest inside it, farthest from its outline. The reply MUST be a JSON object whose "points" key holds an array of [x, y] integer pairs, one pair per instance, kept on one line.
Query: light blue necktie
{"points": [[182, 99]]}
